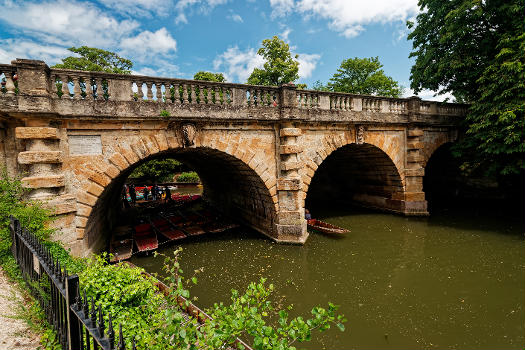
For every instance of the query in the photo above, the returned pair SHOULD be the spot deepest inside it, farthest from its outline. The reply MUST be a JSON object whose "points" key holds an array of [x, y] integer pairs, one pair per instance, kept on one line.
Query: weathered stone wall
{"points": [[260, 151]]}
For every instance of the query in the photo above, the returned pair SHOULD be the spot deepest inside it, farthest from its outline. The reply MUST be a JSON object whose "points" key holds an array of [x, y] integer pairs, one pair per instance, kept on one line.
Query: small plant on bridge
{"points": [[164, 113]]}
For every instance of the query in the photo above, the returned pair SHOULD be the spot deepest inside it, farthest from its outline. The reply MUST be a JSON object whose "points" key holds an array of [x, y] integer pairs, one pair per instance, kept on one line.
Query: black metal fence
{"points": [[77, 322]]}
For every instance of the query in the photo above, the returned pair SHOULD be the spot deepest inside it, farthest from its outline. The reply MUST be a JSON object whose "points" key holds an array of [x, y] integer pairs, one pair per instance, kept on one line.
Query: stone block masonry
{"points": [[261, 152]]}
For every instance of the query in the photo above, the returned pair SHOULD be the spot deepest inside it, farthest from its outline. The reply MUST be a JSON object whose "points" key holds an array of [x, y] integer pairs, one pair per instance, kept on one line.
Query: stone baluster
{"points": [[149, 93], [54, 86], [193, 94], [200, 96], [226, 93], [185, 94], [9, 83], [216, 91], [176, 93], [77, 91], [167, 93], [89, 88], [251, 100], [158, 88], [100, 88], [140, 93], [65, 87], [209, 99]]}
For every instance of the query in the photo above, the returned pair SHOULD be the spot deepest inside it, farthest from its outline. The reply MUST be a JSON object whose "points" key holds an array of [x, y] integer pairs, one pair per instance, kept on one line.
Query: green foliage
{"points": [[362, 76], [131, 297], [164, 113], [190, 176], [246, 316], [157, 169], [209, 76], [95, 60], [280, 67], [474, 50]]}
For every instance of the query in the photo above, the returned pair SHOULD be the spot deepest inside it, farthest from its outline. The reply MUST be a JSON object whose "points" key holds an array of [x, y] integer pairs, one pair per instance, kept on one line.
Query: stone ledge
{"points": [[415, 132], [35, 133], [34, 157], [290, 149], [290, 217], [43, 181], [288, 184], [415, 172], [291, 165], [290, 132], [62, 204], [415, 145]]}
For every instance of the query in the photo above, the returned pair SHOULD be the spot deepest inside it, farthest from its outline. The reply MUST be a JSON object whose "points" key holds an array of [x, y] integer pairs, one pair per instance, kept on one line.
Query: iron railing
{"points": [[78, 323]]}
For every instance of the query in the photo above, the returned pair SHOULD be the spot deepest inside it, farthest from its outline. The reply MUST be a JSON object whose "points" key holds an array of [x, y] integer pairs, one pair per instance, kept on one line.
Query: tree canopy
{"points": [[158, 169], [209, 76], [474, 49], [97, 60], [362, 76], [279, 67]]}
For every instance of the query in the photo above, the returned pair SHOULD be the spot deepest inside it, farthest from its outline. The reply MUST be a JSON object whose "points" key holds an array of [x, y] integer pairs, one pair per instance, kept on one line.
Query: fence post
{"points": [[73, 327], [14, 224]]}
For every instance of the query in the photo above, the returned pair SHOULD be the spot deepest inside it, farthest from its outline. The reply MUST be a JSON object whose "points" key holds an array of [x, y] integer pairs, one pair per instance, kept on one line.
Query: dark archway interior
{"points": [[447, 187], [230, 186], [361, 174]]}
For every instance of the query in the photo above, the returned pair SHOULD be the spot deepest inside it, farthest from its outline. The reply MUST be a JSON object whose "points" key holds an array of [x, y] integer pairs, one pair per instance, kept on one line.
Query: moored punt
{"points": [[167, 229], [325, 227], [121, 249], [145, 238], [194, 230]]}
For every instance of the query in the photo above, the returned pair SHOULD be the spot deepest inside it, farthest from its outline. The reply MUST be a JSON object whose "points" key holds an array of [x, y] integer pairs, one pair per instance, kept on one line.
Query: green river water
{"points": [[455, 280]]}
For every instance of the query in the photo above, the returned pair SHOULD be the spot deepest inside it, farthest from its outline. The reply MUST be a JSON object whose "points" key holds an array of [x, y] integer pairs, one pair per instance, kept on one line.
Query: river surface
{"points": [[455, 280]]}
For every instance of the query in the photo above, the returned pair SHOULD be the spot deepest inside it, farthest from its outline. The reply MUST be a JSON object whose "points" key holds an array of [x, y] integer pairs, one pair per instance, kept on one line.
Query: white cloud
{"points": [[146, 44], [67, 22], [284, 35], [183, 7], [163, 69], [349, 17], [429, 95], [307, 64], [16, 48], [235, 17], [143, 8], [281, 8], [238, 65]]}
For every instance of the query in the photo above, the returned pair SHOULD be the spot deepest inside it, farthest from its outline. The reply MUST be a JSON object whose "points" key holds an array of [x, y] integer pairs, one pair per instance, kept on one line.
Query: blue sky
{"points": [[177, 38]]}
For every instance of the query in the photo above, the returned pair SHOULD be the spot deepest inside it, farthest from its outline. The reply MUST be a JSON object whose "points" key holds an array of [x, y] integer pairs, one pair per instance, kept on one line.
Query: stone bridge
{"points": [[260, 151]]}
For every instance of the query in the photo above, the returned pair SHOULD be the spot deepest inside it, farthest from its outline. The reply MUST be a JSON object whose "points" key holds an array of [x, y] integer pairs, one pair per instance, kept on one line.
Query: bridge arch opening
{"points": [[361, 174], [229, 185]]}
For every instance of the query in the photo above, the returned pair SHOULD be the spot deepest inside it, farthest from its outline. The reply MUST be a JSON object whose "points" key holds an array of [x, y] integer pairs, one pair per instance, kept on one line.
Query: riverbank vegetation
{"points": [[134, 300]]}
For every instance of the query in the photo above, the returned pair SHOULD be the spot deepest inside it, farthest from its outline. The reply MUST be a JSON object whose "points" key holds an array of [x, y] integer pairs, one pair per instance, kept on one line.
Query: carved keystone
{"points": [[35, 133], [33, 157], [291, 165], [43, 181]]}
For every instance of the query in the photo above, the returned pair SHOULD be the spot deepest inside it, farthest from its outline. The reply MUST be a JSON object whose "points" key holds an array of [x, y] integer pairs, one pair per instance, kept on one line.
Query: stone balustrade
{"points": [[8, 77], [64, 84]]}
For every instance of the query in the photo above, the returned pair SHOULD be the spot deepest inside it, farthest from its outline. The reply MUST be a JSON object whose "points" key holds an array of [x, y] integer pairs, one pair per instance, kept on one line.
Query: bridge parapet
{"points": [[70, 92]]}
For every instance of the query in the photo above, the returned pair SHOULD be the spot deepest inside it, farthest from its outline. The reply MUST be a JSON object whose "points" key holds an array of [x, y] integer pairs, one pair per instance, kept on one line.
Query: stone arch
{"points": [[390, 146], [431, 145], [240, 163], [365, 170]]}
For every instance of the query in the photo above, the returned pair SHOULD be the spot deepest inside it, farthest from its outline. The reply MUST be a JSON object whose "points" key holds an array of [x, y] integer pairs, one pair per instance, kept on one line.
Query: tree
{"points": [[362, 76], [474, 50], [279, 66], [158, 169], [209, 76], [97, 60]]}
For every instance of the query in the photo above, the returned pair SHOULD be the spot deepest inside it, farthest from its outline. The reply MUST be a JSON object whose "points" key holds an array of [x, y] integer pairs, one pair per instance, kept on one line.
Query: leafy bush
{"points": [[188, 177]]}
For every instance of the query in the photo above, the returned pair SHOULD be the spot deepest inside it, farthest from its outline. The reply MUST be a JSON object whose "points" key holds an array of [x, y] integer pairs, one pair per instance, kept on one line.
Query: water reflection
{"points": [[455, 280]]}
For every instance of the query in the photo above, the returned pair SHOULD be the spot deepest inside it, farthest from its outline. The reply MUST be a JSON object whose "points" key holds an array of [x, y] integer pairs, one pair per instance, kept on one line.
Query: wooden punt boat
{"points": [[165, 228], [194, 230], [121, 249], [145, 238], [325, 227]]}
